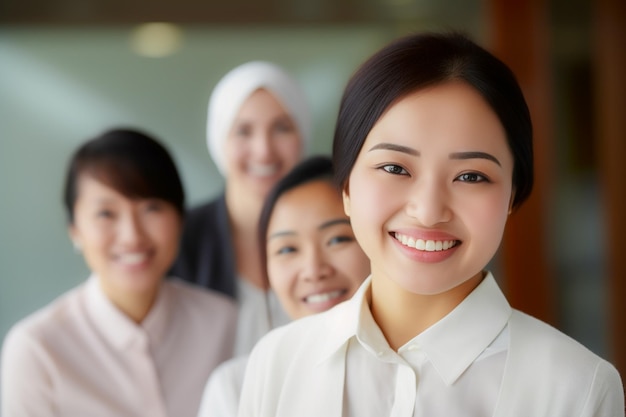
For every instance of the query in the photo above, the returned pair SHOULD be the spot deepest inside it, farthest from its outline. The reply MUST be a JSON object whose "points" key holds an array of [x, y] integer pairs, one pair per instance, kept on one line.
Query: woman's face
{"points": [[128, 243], [262, 146], [429, 194], [313, 259]]}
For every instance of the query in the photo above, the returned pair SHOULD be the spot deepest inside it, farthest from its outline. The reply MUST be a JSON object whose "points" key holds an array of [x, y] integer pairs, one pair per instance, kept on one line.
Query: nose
{"points": [[262, 144], [429, 203], [315, 266], [131, 231]]}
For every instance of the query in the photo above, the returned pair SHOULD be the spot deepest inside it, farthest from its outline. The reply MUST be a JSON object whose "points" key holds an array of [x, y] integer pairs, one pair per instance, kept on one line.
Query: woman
{"points": [[433, 150], [258, 126], [312, 261], [126, 342]]}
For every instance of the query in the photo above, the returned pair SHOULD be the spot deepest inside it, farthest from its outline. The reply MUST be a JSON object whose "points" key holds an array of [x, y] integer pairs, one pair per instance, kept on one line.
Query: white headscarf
{"points": [[234, 89]]}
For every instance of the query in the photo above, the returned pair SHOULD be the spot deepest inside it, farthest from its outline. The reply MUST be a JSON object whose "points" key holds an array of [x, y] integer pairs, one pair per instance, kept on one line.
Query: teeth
{"points": [[321, 298], [425, 245], [263, 170], [133, 258]]}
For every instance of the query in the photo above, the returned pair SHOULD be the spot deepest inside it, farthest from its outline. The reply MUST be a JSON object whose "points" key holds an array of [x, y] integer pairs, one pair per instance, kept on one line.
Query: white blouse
{"points": [[448, 370], [81, 356], [259, 312], [482, 359], [222, 391]]}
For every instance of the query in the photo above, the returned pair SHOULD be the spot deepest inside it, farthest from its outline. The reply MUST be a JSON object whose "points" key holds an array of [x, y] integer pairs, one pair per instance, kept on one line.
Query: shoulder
{"points": [[549, 341], [301, 338], [549, 364], [229, 373], [223, 389], [557, 355], [37, 332], [202, 225], [50, 319]]}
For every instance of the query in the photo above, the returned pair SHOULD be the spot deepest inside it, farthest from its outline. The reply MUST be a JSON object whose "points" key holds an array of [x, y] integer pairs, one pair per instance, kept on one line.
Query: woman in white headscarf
{"points": [[258, 128]]}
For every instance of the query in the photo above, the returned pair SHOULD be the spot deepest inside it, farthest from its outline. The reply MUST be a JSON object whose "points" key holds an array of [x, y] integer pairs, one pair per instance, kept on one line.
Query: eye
{"points": [[336, 240], [284, 250], [243, 131], [472, 177], [394, 169], [105, 214], [283, 126]]}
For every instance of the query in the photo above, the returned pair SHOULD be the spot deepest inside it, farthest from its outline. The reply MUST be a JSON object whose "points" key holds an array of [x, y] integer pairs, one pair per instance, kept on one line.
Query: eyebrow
{"points": [[323, 226], [280, 234], [394, 147], [475, 155], [454, 155], [330, 223]]}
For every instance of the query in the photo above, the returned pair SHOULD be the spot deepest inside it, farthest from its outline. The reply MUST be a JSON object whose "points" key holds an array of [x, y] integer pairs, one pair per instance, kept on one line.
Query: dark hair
{"points": [[423, 60], [311, 169], [129, 161]]}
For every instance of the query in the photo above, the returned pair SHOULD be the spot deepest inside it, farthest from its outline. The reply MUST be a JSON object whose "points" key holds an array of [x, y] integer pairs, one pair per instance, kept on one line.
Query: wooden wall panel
{"points": [[519, 34], [609, 72]]}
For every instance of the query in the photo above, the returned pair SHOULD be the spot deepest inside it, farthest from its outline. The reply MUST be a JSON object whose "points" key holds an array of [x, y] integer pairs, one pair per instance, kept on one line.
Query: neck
{"points": [[402, 315], [134, 305], [243, 212]]}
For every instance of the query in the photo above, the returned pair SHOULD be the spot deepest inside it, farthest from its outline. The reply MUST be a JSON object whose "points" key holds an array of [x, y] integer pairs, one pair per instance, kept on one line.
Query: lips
{"points": [[133, 259], [263, 170], [427, 245], [324, 297]]}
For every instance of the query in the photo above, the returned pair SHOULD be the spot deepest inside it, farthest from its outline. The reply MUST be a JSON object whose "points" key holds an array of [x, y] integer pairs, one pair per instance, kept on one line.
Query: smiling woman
{"points": [[258, 128], [125, 342], [433, 151], [312, 259]]}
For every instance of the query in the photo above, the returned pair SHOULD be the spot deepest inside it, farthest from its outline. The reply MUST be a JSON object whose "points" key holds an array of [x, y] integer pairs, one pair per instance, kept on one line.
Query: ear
{"points": [[345, 194], [511, 201], [75, 238]]}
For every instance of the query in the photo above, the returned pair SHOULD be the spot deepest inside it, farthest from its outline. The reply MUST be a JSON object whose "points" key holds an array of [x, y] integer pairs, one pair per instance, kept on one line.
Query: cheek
{"points": [[290, 149], [166, 231], [234, 152], [355, 266], [281, 276], [370, 205], [487, 218], [92, 237]]}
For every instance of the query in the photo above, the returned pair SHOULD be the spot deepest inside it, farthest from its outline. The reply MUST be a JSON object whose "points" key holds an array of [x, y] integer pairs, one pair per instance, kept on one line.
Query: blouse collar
{"points": [[117, 328], [452, 344]]}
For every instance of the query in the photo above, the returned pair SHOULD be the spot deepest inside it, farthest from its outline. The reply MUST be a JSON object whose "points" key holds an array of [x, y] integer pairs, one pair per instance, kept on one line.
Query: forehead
{"points": [[261, 101], [93, 190], [449, 115], [307, 204]]}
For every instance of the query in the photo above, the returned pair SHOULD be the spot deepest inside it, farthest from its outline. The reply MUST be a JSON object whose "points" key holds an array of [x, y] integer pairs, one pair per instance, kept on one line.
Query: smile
{"points": [[132, 259], [324, 297], [425, 245], [263, 170]]}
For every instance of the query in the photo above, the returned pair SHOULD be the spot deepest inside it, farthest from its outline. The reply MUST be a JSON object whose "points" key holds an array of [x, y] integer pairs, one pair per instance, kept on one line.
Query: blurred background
{"points": [[72, 68]]}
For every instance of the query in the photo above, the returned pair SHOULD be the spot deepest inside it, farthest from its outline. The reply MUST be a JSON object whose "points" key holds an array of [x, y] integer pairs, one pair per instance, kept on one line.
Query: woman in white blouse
{"points": [[433, 150], [126, 342], [312, 259]]}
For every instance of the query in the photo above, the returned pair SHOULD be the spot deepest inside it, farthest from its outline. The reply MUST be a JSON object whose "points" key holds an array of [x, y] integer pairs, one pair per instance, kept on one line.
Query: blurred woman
{"points": [[257, 129], [126, 342], [312, 259]]}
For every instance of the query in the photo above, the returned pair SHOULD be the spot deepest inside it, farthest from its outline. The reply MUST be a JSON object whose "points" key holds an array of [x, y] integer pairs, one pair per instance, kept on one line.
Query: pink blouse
{"points": [[81, 356]]}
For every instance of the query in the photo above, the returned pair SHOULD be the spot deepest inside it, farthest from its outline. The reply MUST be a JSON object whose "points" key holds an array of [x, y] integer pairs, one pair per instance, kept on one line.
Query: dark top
{"points": [[206, 255]]}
